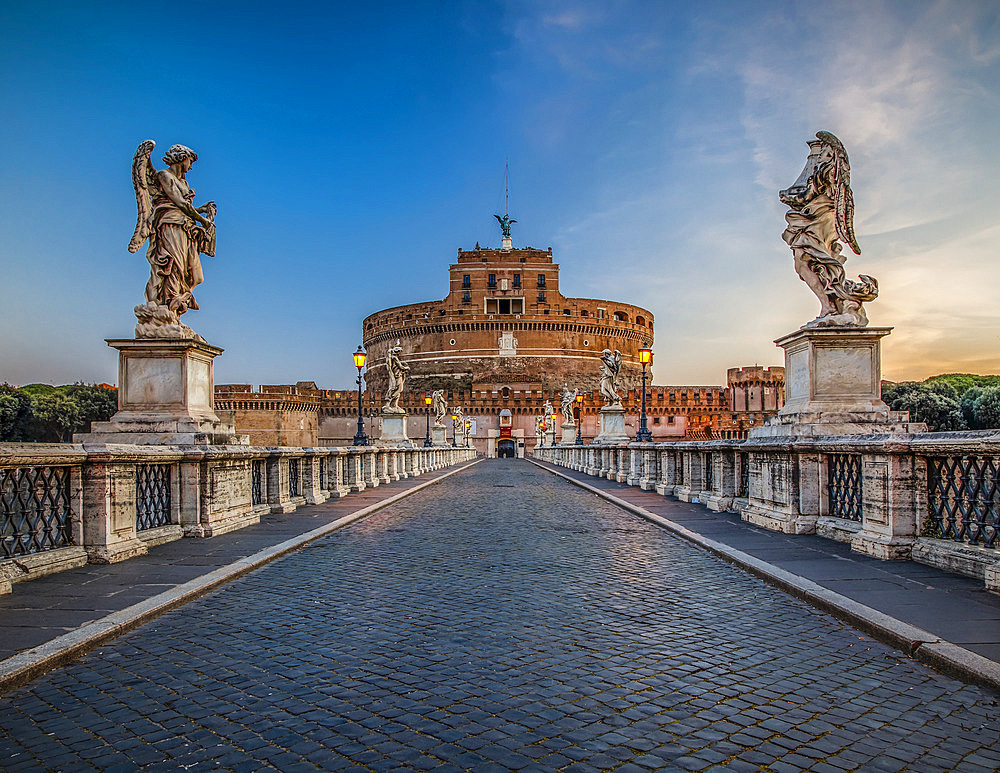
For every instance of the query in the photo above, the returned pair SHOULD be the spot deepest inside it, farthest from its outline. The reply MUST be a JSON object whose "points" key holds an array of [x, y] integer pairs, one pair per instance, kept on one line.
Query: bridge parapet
{"points": [[929, 497], [64, 505]]}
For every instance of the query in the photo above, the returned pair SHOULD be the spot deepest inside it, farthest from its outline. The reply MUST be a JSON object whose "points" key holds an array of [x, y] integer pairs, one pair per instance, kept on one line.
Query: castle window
{"points": [[452, 342], [506, 393], [586, 342], [621, 316], [656, 420], [541, 280], [466, 281], [505, 305], [467, 298], [584, 313], [541, 296], [517, 280], [640, 321], [492, 282], [566, 312]]}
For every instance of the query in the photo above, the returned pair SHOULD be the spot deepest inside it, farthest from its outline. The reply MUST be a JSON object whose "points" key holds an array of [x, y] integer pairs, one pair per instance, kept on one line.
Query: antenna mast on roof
{"points": [[505, 221]]}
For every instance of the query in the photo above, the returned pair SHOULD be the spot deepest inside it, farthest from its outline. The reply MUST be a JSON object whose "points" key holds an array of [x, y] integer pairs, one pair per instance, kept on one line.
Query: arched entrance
{"points": [[506, 449]]}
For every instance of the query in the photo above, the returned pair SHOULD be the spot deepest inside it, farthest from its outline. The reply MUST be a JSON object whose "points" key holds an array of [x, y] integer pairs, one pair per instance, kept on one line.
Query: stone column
{"points": [[109, 505]]}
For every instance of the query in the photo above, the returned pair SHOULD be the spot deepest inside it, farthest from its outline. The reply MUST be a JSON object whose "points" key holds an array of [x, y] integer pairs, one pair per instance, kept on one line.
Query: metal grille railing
{"points": [[322, 472], [743, 489], [35, 513], [152, 496], [257, 482], [709, 473], [679, 468], [963, 501], [293, 477], [844, 486]]}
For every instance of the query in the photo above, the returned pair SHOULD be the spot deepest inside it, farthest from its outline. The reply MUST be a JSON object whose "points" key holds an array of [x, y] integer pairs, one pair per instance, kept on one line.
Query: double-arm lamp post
{"points": [[645, 357], [579, 416], [360, 439], [427, 411]]}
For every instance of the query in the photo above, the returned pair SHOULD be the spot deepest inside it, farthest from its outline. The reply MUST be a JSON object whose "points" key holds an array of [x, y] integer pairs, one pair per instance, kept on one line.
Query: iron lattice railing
{"points": [[257, 482], [323, 473], [963, 501], [293, 477], [744, 485], [35, 512], [152, 496], [844, 486], [709, 473], [679, 468]]}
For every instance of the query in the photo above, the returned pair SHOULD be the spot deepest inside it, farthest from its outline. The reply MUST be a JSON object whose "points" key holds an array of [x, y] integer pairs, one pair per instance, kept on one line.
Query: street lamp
{"points": [[579, 423], [427, 411], [360, 439], [468, 426], [645, 357], [454, 429], [555, 424]]}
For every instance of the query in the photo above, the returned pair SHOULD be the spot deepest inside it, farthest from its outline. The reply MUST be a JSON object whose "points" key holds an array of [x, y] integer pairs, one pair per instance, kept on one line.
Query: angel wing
{"points": [[843, 198], [142, 178], [616, 358], [499, 219]]}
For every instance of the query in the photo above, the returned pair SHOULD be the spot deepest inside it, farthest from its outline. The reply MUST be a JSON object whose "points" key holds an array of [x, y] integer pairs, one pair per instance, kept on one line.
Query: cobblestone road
{"points": [[501, 620]]}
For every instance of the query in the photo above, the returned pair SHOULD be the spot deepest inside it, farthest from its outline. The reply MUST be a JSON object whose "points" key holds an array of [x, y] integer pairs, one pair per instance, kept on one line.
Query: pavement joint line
{"points": [[944, 656], [30, 664]]}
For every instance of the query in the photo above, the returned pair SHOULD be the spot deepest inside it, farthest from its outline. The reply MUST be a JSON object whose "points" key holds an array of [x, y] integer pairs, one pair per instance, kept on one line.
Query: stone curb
{"points": [[929, 648], [26, 666]]}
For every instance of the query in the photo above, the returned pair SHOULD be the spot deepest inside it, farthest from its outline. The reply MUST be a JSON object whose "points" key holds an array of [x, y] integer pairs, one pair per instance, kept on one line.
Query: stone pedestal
{"points": [[439, 436], [612, 419], [833, 382], [166, 396], [394, 430], [568, 433]]}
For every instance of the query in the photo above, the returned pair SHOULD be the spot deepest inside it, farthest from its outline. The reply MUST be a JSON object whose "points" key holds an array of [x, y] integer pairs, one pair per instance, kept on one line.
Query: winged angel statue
{"points": [[820, 216], [397, 371], [177, 233], [611, 365]]}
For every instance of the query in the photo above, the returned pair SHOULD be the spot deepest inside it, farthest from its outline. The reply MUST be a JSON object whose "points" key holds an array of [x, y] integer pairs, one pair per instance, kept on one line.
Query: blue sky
{"points": [[353, 148]]}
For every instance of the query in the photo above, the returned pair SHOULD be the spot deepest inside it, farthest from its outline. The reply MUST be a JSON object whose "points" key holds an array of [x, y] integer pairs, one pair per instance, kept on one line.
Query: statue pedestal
{"points": [[612, 425], [439, 436], [833, 380], [166, 396], [394, 430], [569, 432]]}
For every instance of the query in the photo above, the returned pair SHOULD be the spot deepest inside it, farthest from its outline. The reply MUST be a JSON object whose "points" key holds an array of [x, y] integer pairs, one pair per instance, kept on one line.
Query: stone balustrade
{"points": [[64, 505], [930, 497]]}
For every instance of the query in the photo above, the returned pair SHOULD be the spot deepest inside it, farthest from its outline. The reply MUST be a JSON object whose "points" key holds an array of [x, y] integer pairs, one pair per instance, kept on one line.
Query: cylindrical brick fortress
{"points": [[505, 323]]}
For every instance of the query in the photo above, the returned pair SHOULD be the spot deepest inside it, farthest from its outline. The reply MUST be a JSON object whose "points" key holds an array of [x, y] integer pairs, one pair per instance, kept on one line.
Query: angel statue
{"points": [[820, 216], [611, 365], [459, 420], [548, 411], [440, 407], [397, 377], [505, 223], [177, 232], [567, 400]]}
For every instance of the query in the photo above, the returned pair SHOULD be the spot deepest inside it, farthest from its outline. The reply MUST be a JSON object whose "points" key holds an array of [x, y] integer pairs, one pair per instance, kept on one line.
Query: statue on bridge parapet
{"points": [[177, 233], [440, 407], [611, 365], [567, 400], [821, 213], [397, 371]]}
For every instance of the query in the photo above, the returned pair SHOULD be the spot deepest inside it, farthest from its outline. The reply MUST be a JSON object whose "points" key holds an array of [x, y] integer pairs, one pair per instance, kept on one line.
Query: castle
{"points": [[502, 342]]}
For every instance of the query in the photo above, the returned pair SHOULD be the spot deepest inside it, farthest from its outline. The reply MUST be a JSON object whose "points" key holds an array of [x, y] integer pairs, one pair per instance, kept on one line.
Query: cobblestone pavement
{"points": [[501, 620]]}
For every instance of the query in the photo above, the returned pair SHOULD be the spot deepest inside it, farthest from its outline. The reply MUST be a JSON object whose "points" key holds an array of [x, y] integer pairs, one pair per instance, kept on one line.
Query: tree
{"points": [[968, 405], [986, 409], [935, 404], [15, 414], [55, 416]]}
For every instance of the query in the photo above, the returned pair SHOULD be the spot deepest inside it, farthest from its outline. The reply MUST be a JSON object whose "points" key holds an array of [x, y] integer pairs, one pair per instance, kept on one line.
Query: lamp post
{"points": [[360, 439], [468, 426], [427, 412], [555, 425], [454, 429], [579, 423], [645, 356]]}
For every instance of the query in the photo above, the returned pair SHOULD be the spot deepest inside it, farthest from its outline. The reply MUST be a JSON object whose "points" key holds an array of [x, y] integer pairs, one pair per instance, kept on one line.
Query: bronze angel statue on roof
{"points": [[177, 232], [820, 216], [505, 223]]}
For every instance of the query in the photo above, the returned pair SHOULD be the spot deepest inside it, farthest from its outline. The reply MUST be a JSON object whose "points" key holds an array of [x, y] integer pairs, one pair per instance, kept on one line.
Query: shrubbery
{"points": [[46, 414], [951, 401]]}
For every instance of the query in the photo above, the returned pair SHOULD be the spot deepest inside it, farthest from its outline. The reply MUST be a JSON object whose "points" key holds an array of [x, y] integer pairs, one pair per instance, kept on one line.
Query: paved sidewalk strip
{"points": [[501, 620], [951, 623], [95, 603]]}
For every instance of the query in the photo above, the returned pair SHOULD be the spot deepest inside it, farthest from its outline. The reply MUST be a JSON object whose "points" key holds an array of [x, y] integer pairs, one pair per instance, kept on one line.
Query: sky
{"points": [[353, 148]]}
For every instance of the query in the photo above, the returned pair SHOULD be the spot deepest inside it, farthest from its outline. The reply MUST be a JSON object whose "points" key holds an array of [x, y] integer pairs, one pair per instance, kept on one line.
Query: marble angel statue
{"points": [[439, 406], [177, 233], [820, 217], [611, 365], [397, 371], [567, 400], [549, 412]]}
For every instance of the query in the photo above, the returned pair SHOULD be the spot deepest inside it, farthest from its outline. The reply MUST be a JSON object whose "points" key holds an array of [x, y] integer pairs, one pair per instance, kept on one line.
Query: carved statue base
{"points": [[394, 430], [439, 435], [569, 433], [165, 396], [833, 379], [612, 425]]}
